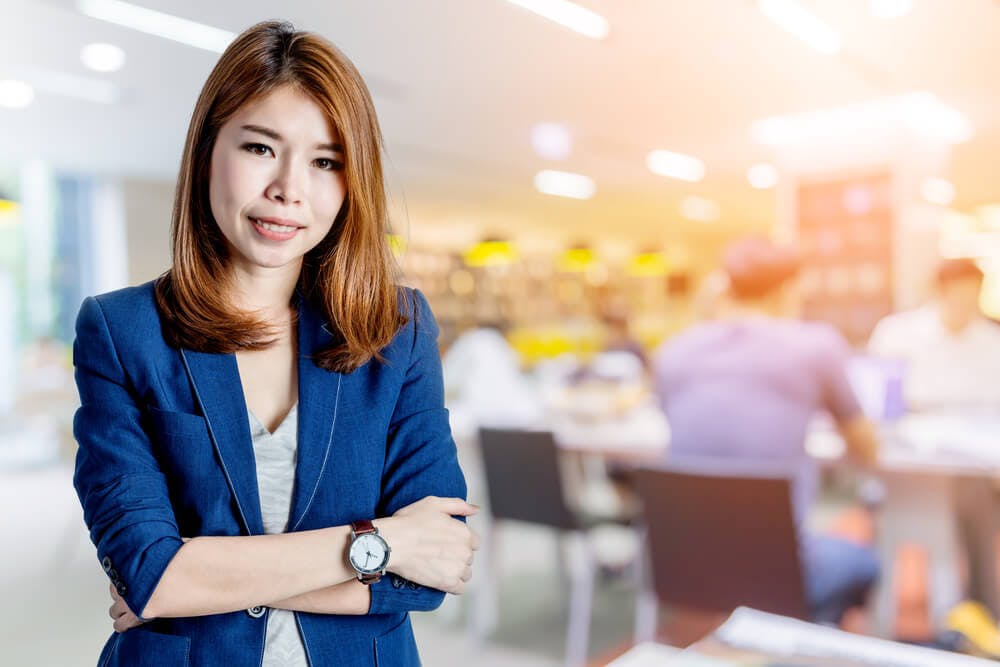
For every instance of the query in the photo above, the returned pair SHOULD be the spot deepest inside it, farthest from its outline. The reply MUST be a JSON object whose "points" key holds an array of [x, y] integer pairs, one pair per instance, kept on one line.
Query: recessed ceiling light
{"points": [[569, 15], [938, 191], [564, 184], [102, 57], [676, 165], [552, 141], [795, 19], [15, 94], [157, 23], [762, 176], [699, 209]]}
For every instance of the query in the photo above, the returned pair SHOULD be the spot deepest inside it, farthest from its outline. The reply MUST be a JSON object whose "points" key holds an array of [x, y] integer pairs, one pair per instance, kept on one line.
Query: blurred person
{"points": [[262, 424], [619, 337], [950, 350], [484, 385], [767, 373], [951, 357]]}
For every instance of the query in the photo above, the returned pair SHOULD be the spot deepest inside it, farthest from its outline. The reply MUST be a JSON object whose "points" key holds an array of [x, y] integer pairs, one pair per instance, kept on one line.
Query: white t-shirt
{"points": [[942, 370]]}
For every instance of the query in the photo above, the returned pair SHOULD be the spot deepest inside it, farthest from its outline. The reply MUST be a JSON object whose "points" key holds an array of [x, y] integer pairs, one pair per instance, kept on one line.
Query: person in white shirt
{"points": [[951, 352], [951, 357]]}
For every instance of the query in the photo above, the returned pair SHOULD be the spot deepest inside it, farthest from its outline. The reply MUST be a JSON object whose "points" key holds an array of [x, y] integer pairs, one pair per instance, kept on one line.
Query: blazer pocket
{"points": [[149, 649], [182, 424], [397, 648]]}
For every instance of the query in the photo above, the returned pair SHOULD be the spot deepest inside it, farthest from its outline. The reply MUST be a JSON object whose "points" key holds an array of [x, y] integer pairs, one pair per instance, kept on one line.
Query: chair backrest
{"points": [[719, 542], [523, 478]]}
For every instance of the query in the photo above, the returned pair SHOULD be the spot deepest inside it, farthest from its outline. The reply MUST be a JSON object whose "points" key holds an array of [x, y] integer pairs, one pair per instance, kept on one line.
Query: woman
{"points": [[262, 432]]}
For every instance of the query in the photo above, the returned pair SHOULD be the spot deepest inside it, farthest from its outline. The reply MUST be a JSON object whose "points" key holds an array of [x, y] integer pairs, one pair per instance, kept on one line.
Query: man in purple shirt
{"points": [[739, 393]]}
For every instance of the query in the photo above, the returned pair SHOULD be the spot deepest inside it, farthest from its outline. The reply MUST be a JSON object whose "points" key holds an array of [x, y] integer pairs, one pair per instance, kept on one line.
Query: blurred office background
{"points": [[563, 179]]}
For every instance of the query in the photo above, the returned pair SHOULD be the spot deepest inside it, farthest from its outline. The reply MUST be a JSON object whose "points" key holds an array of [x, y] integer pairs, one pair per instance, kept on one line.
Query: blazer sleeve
{"points": [[421, 458], [123, 492]]}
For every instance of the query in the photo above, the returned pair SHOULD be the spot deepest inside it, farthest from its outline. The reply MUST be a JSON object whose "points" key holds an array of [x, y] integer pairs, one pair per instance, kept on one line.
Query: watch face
{"points": [[369, 554]]}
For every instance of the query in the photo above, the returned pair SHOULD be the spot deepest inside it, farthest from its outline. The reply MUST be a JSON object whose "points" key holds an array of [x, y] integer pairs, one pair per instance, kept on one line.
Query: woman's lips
{"points": [[274, 231]]}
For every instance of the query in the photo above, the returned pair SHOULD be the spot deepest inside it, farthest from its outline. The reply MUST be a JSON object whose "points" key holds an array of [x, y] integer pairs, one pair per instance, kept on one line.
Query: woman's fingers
{"points": [[455, 506]]}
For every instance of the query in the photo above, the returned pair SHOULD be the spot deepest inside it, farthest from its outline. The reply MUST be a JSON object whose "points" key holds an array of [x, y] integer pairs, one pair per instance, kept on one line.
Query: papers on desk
{"points": [[780, 636]]}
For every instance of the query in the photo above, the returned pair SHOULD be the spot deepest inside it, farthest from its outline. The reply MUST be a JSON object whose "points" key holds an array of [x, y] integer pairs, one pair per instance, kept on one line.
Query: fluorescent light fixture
{"points": [[937, 191], [564, 184], [889, 9], [699, 209], [792, 17], [676, 165], [762, 176], [157, 23], [552, 141], [921, 112], [15, 94], [569, 15], [102, 57]]}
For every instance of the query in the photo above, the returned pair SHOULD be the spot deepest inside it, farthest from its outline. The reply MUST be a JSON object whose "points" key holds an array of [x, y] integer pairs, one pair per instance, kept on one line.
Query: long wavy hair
{"points": [[351, 274]]}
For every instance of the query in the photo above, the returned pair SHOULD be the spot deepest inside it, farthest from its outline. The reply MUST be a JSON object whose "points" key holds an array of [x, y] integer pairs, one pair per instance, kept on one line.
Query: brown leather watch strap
{"points": [[362, 527]]}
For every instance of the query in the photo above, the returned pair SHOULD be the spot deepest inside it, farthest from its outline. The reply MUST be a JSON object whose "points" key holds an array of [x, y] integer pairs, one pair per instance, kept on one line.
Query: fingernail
{"points": [[476, 506]]}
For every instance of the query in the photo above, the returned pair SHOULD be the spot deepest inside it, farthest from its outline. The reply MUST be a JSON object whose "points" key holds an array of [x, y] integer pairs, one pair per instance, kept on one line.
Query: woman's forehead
{"points": [[290, 113]]}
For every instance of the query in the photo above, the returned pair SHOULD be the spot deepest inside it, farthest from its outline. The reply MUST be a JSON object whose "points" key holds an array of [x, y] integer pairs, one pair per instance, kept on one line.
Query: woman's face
{"points": [[277, 180]]}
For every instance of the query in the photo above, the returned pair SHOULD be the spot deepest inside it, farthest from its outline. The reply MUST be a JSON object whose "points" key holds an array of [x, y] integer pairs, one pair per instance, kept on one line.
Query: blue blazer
{"points": [[165, 451]]}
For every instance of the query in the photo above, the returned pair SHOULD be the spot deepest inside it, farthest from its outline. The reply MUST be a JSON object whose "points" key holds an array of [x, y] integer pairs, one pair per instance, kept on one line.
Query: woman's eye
{"points": [[257, 149], [328, 165]]}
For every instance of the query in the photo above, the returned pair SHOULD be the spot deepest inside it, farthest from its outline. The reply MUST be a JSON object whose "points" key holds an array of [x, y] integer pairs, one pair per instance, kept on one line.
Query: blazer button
{"points": [[106, 563], [121, 588], [256, 612]]}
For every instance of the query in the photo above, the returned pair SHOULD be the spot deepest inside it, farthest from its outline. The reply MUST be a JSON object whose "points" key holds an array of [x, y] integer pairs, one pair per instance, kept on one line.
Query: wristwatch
{"points": [[368, 553]]}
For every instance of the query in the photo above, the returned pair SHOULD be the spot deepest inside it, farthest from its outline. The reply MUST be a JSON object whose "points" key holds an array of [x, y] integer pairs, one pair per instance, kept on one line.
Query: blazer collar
{"points": [[218, 390]]}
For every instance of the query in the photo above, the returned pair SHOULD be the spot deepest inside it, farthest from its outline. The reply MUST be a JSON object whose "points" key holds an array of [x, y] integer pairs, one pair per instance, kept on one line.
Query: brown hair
{"points": [[350, 274]]}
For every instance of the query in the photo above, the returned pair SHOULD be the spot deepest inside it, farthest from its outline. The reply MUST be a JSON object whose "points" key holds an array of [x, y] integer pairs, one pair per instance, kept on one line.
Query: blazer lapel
{"points": [[319, 396], [217, 387]]}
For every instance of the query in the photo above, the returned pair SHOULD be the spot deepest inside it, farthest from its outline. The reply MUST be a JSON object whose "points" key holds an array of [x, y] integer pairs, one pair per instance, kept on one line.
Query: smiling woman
{"points": [[240, 520]]}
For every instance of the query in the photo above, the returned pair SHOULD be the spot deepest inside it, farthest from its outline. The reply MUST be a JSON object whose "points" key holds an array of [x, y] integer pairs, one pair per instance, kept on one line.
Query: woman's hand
{"points": [[429, 546], [125, 618], [120, 613]]}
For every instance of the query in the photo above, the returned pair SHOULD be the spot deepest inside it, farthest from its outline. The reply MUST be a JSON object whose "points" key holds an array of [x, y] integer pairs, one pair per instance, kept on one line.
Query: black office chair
{"points": [[524, 483], [715, 543]]}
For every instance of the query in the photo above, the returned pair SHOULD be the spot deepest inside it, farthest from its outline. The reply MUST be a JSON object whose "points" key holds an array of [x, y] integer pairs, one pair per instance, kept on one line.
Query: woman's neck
{"points": [[265, 291]]}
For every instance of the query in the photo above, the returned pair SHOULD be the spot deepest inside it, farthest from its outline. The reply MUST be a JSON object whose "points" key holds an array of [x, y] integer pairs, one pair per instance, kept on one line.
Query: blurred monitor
{"points": [[878, 385]]}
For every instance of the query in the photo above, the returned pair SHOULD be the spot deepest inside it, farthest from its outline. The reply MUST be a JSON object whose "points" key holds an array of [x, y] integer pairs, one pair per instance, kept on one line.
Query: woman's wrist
{"points": [[387, 529]]}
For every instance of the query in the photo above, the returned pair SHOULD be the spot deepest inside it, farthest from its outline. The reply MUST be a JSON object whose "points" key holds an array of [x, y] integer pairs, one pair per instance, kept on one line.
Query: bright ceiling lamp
{"points": [[102, 57], [569, 15], [15, 94], [762, 176], [699, 209], [889, 9], [921, 112], [551, 141], [937, 191], [564, 184], [793, 18], [676, 165], [152, 22]]}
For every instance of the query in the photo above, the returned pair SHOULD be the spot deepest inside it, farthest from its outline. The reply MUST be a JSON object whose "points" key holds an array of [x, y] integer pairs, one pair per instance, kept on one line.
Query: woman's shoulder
{"points": [[129, 310]]}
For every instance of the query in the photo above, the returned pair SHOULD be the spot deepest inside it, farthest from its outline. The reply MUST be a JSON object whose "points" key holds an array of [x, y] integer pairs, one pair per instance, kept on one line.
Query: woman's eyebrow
{"points": [[268, 132]]}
